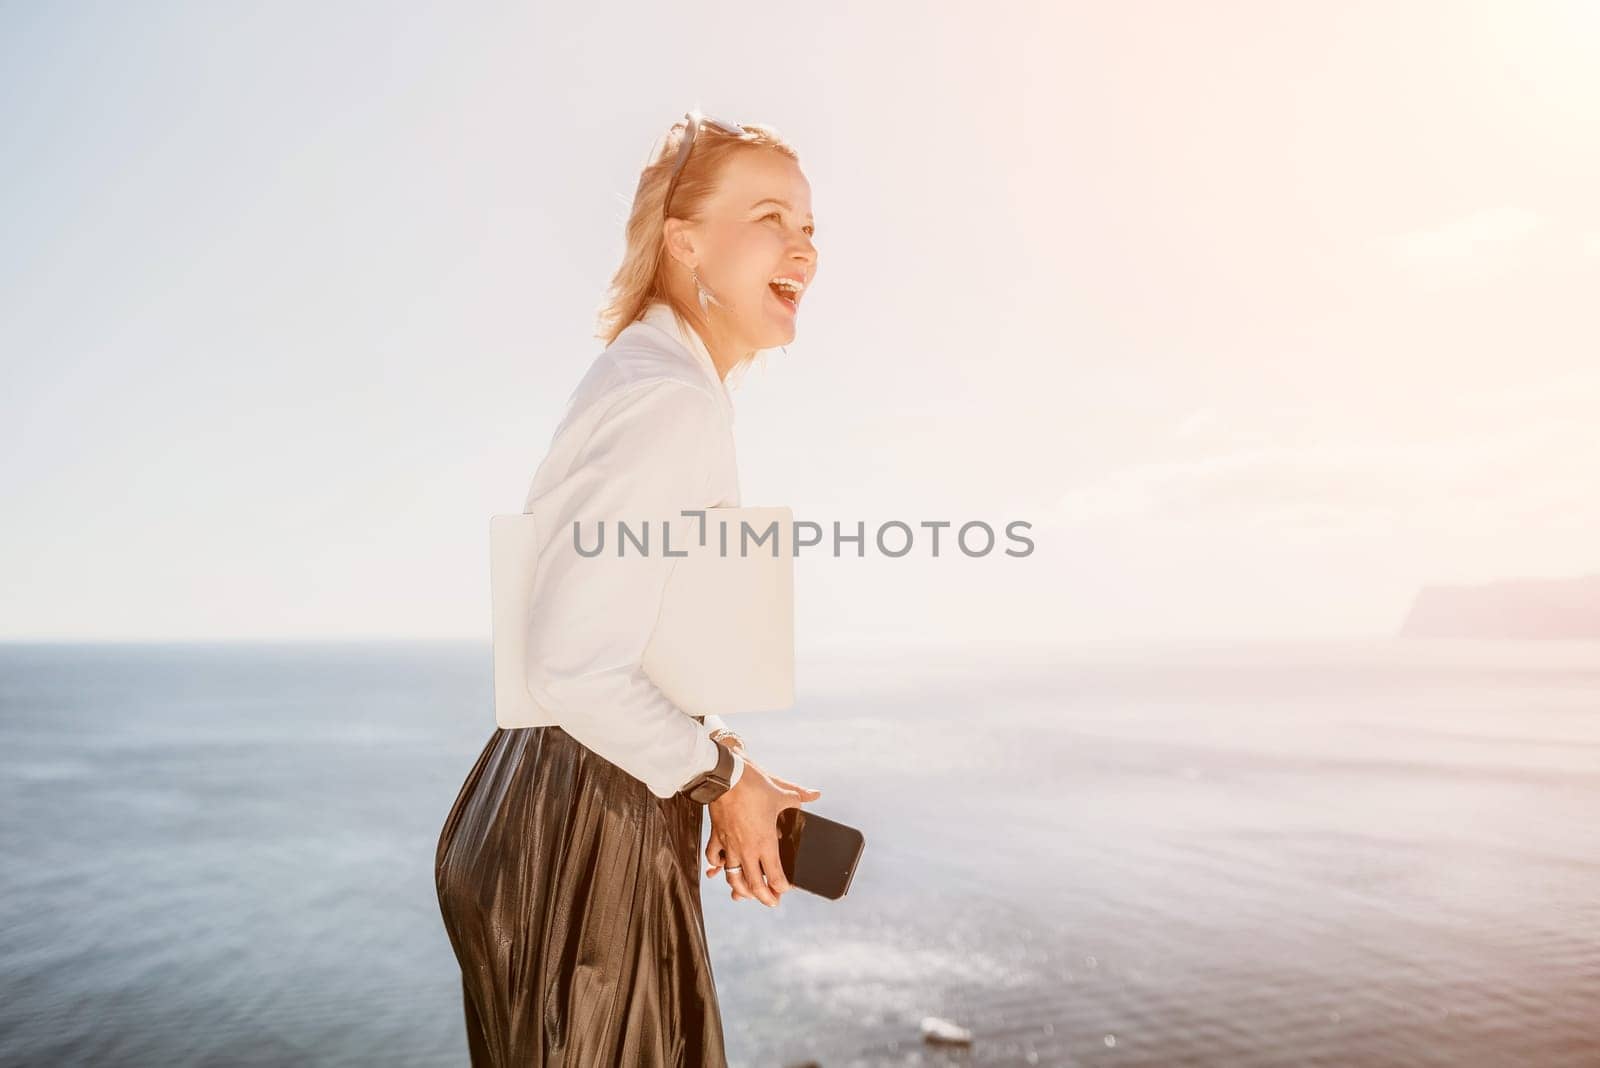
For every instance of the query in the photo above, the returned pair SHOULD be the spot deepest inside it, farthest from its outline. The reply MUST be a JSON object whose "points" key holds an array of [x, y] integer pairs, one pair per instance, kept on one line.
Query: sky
{"points": [[1262, 315]]}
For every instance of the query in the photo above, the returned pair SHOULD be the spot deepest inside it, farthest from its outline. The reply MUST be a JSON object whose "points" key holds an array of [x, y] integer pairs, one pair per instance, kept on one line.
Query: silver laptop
{"points": [[724, 640]]}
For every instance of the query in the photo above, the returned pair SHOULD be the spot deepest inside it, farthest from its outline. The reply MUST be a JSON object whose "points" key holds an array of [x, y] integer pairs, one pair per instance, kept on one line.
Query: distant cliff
{"points": [[1513, 608]]}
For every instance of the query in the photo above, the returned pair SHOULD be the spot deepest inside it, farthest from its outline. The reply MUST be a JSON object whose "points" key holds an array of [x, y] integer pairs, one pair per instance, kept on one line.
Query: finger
{"points": [[739, 885], [756, 885], [772, 867], [714, 849], [798, 798], [805, 793]]}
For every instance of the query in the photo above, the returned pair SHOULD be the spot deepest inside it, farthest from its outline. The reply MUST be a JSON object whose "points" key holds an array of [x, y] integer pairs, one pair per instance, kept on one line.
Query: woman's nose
{"points": [[806, 252]]}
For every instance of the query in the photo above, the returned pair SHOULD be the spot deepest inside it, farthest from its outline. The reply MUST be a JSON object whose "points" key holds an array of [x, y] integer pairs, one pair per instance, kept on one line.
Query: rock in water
{"points": [[1510, 608], [943, 1032]]}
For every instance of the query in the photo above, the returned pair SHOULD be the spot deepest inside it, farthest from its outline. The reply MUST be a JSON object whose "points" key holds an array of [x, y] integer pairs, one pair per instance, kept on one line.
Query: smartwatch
{"points": [[710, 785]]}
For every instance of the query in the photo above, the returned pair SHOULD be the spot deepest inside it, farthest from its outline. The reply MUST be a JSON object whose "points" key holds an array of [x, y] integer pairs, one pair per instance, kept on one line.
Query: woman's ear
{"points": [[679, 241]]}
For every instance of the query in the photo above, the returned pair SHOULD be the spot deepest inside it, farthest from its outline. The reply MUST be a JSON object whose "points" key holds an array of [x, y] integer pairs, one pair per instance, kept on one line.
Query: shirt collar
{"points": [[660, 315]]}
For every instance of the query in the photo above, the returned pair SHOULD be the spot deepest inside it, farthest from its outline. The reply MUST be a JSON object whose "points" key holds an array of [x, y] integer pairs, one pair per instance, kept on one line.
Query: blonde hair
{"points": [[641, 278]]}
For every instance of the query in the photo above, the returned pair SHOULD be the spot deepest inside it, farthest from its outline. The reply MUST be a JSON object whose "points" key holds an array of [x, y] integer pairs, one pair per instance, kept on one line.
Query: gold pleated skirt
{"points": [[571, 895]]}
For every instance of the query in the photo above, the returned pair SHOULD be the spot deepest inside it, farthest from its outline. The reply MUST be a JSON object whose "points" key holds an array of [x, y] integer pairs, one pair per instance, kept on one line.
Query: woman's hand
{"points": [[744, 832]]}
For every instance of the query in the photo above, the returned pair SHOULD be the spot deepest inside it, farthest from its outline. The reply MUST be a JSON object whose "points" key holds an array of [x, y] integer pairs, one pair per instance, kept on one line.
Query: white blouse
{"points": [[647, 433]]}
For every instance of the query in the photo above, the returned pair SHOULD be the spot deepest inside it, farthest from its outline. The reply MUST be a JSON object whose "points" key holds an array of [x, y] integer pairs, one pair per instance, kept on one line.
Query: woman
{"points": [[567, 870]]}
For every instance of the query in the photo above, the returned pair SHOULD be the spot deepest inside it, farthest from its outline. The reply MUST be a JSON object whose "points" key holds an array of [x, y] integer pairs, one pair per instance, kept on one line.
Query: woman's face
{"points": [[754, 230]]}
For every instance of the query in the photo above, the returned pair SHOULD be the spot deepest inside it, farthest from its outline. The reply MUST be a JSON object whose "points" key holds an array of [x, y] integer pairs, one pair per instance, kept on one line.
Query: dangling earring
{"points": [[706, 296]]}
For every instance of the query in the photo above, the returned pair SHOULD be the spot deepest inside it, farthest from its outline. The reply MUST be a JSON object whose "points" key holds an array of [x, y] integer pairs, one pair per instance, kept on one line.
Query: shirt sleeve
{"points": [[647, 459]]}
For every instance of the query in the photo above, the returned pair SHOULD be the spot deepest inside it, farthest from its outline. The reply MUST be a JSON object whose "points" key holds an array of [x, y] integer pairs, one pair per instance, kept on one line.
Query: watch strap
{"points": [[712, 784]]}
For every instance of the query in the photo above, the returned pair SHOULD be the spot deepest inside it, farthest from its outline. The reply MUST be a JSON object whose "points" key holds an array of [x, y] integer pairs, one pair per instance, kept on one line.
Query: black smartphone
{"points": [[818, 854]]}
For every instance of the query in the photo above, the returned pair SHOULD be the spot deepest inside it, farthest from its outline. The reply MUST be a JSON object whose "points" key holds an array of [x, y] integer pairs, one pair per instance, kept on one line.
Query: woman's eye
{"points": [[810, 231]]}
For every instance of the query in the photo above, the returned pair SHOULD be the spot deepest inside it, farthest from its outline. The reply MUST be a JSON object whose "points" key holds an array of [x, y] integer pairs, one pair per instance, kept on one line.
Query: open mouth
{"points": [[787, 290]]}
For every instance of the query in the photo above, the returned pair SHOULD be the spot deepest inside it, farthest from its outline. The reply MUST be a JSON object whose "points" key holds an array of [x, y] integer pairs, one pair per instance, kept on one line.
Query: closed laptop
{"points": [[723, 642]]}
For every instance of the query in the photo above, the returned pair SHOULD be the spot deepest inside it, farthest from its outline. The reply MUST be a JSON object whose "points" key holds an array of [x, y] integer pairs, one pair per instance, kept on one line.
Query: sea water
{"points": [[1249, 853]]}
